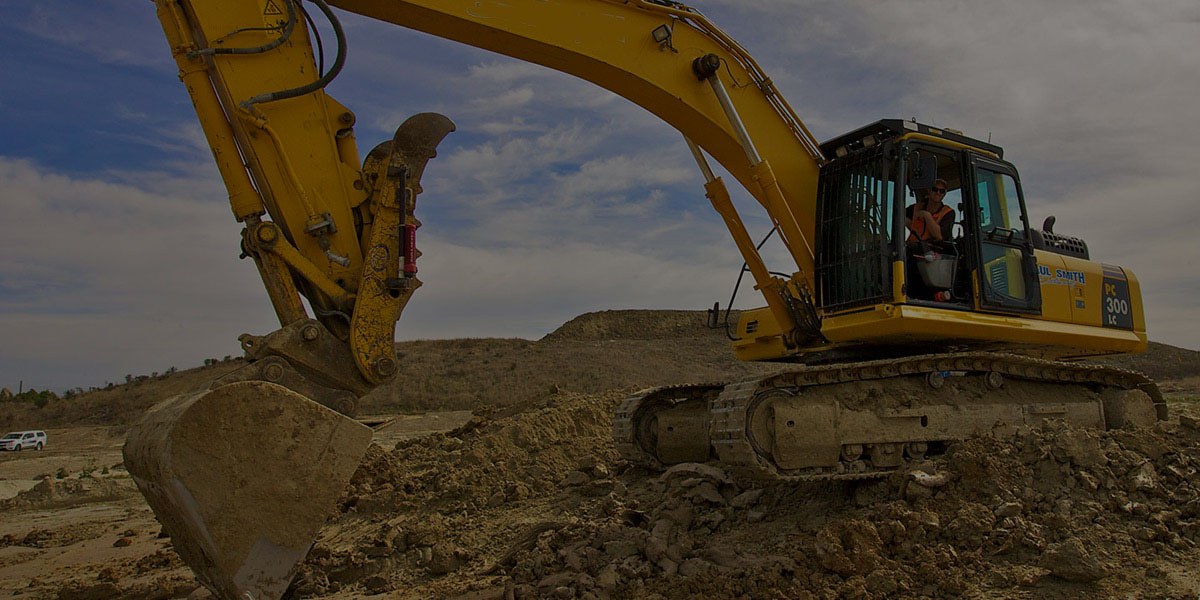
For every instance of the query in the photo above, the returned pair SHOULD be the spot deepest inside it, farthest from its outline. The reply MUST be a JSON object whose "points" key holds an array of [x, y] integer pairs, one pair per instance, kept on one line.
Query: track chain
{"points": [[730, 410]]}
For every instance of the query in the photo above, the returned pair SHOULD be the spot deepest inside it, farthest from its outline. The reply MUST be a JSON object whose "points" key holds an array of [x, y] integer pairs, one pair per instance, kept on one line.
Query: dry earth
{"points": [[522, 496]]}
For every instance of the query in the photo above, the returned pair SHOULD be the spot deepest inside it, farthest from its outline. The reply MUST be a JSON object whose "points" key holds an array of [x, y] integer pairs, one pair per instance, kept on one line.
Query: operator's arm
{"points": [[932, 226], [945, 228]]}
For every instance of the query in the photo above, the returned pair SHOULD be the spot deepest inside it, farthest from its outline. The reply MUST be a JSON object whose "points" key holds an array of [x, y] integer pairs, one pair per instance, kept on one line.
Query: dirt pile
{"points": [[637, 325], [1160, 361], [59, 492], [535, 504]]}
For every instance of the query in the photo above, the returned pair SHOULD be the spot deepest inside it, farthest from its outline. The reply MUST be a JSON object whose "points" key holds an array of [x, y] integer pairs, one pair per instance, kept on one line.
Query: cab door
{"points": [[1003, 261]]}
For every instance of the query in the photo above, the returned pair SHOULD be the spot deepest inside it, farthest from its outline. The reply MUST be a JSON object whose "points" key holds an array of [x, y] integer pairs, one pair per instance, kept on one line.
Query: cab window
{"points": [[999, 204]]}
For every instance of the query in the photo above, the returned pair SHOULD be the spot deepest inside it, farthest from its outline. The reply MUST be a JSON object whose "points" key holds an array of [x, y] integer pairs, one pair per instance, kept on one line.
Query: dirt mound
{"points": [[636, 325], [535, 504], [53, 492], [1160, 361]]}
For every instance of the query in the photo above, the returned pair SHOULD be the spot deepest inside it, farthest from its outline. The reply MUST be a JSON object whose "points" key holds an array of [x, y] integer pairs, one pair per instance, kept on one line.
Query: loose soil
{"points": [[523, 496]]}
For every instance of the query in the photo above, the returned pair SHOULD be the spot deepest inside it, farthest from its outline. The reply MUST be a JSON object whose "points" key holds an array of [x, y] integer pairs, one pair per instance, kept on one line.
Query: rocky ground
{"points": [[526, 498], [536, 505]]}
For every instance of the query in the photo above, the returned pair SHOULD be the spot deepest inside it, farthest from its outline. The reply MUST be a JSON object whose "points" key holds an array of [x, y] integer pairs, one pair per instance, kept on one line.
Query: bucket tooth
{"points": [[242, 478]]}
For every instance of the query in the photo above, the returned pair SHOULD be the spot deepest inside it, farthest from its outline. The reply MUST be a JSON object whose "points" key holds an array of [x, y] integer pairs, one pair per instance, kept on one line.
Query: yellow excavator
{"points": [[902, 340]]}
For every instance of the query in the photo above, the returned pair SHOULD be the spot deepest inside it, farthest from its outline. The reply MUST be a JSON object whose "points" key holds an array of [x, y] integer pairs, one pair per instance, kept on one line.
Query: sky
{"points": [[555, 197]]}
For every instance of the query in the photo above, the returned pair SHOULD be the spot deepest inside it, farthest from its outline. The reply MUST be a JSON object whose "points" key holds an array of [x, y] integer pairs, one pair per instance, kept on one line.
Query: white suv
{"points": [[20, 440]]}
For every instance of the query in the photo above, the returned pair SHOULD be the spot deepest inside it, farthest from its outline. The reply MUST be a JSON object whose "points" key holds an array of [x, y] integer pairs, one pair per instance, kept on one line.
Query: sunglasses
{"points": [[938, 190]]}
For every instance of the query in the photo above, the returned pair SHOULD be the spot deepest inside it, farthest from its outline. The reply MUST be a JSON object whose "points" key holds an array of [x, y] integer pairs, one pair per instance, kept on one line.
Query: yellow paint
{"points": [[905, 324], [947, 143], [898, 275]]}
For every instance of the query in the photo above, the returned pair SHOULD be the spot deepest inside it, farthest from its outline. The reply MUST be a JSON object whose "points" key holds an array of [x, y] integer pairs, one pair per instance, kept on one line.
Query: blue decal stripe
{"points": [[1113, 272]]}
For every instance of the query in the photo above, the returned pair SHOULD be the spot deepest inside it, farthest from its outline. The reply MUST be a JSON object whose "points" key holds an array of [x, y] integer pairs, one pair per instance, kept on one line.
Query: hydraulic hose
{"points": [[324, 79], [283, 37]]}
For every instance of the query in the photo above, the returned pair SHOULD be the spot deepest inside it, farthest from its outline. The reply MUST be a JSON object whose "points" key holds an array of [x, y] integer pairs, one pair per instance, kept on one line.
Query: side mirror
{"points": [[922, 172]]}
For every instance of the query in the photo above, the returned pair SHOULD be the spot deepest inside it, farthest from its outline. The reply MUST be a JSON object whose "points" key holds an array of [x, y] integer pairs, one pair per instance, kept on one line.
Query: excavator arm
{"points": [[242, 475]]}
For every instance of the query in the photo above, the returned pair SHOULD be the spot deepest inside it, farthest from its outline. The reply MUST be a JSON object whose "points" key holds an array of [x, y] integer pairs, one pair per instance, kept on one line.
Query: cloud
{"points": [[105, 278], [555, 197], [105, 30], [474, 291]]}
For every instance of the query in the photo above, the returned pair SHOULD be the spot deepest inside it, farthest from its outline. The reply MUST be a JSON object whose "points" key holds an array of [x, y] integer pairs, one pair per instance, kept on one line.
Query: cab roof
{"points": [[886, 129]]}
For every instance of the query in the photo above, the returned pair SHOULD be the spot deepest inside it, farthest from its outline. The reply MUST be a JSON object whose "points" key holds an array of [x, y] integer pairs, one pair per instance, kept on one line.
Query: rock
{"points": [[121, 542], [608, 578], [668, 566], [681, 516], [1145, 478], [1080, 447], [656, 549], [971, 524], [376, 584], [694, 566], [933, 482], [587, 463], [1069, 560], [705, 492], [1008, 509], [692, 470], [443, 558], [576, 478], [746, 499], [1189, 422]]}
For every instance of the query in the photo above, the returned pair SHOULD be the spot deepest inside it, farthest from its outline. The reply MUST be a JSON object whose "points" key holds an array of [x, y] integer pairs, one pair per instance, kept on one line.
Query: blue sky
{"points": [[555, 197]]}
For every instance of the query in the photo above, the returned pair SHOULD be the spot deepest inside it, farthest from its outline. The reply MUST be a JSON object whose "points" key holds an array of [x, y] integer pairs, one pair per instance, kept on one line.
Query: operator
{"points": [[930, 220]]}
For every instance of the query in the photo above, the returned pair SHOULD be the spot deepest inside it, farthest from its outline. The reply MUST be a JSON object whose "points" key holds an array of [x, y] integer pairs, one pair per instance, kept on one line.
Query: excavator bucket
{"points": [[242, 477]]}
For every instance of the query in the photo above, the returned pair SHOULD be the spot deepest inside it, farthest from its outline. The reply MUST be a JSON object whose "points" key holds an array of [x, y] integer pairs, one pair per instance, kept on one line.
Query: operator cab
{"points": [[878, 177]]}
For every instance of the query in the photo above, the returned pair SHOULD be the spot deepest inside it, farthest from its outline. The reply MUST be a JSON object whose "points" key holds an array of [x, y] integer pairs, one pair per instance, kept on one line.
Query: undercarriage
{"points": [[865, 420]]}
